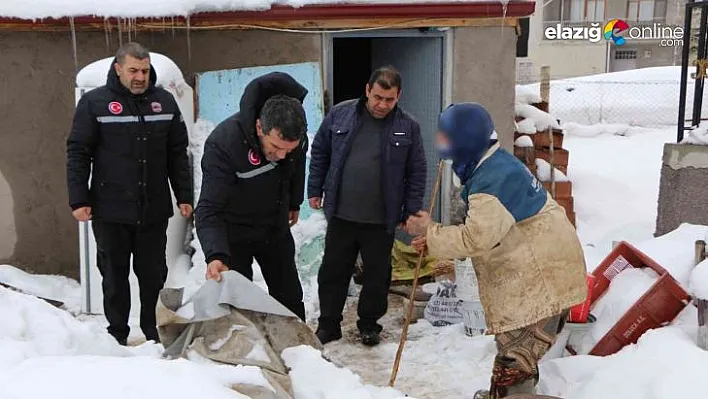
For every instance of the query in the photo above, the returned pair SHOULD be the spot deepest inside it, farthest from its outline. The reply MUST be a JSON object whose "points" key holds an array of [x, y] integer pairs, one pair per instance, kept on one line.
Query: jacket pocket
{"points": [[398, 147]]}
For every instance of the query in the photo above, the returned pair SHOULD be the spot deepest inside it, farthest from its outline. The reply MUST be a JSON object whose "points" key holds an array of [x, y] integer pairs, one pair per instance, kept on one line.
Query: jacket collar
{"points": [[486, 155]]}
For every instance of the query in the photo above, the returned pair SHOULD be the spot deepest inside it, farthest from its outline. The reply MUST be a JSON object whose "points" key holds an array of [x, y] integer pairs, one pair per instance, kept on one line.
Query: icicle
{"points": [[173, 26], [135, 27], [189, 42], [120, 32], [505, 6], [107, 31], [73, 43], [130, 29]]}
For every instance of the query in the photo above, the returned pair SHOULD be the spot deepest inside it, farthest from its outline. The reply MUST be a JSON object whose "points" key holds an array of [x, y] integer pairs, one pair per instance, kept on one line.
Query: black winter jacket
{"points": [[243, 196], [403, 163], [135, 144]]}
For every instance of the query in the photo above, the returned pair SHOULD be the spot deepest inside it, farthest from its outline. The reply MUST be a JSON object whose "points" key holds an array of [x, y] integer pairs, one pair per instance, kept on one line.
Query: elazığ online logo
{"points": [[616, 30]]}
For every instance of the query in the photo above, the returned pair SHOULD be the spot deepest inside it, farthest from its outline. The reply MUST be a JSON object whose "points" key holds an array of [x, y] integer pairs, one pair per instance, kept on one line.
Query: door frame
{"points": [[446, 34]]}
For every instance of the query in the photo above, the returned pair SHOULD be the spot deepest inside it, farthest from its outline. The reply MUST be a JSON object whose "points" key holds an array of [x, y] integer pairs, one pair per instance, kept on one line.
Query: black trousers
{"points": [[115, 243], [343, 242], [275, 255]]}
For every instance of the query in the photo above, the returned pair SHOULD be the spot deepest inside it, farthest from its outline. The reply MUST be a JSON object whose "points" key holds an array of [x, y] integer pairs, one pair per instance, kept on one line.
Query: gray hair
{"points": [[133, 49]]}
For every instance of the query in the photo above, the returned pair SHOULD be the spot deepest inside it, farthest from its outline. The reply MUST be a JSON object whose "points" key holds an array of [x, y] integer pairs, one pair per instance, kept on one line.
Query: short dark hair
{"points": [[285, 114], [387, 77], [133, 49]]}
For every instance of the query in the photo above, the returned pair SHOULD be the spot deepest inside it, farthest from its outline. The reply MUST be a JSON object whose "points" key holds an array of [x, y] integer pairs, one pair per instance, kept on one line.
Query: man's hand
{"points": [[420, 244], [418, 224], [214, 269], [185, 210], [82, 214], [293, 217], [315, 203]]}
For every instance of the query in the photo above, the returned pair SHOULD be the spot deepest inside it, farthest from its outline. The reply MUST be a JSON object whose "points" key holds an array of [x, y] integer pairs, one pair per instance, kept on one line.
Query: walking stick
{"points": [[411, 299]]}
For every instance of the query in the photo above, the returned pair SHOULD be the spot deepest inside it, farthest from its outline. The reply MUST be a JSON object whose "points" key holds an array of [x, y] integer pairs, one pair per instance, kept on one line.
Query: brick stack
{"points": [[541, 150]]}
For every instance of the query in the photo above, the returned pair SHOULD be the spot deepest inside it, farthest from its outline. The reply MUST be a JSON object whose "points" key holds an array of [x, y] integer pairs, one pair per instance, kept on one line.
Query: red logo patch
{"points": [[253, 158], [115, 107], [156, 107]]}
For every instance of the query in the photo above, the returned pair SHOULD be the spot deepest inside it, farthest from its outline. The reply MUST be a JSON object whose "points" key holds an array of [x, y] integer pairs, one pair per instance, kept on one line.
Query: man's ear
{"points": [[259, 128], [117, 67]]}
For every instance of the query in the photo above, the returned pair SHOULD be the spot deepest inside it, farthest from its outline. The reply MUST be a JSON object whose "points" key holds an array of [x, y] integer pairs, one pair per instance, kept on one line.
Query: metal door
{"points": [[420, 61]]}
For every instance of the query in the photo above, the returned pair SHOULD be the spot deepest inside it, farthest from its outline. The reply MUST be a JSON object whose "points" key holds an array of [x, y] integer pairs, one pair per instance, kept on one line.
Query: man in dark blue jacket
{"points": [[368, 171]]}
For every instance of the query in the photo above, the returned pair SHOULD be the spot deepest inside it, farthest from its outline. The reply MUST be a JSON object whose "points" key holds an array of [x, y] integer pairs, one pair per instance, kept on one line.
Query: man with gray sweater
{"points": [[368, 171]]}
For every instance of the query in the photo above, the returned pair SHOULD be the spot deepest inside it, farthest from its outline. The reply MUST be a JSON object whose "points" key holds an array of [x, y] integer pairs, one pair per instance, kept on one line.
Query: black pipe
{"points": [[700, 81], [684, 71]]}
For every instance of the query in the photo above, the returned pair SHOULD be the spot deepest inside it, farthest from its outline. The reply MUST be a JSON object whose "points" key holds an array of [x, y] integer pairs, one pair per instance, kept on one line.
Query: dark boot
{"points": [[326, 335], [370, 338]]}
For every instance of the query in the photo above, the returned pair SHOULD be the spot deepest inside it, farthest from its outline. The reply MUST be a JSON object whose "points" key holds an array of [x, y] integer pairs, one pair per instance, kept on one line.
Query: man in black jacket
{"points": [[133, 135], [253, 171]]}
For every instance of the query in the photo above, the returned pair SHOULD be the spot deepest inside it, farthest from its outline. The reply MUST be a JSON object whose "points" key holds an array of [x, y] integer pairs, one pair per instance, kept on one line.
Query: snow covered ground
{"points": [[615, 174]]}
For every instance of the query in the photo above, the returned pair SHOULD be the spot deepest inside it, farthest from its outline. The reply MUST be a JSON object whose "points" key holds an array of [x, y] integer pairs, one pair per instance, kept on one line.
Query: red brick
{"points": [[560, 156], [542, 141], [564, 189]]}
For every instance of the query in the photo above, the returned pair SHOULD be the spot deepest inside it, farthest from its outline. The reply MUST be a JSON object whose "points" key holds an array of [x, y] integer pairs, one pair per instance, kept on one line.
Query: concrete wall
{"points": [[485, 76], [683, 192], [37, 231]]}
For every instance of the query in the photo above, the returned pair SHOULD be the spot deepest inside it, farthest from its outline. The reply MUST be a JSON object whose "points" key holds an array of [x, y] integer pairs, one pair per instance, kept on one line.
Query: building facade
{"points": [[580, 56]]}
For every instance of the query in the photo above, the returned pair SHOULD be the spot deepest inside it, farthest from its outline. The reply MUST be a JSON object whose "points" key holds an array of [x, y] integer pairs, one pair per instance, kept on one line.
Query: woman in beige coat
{"points": [[526, 254]]}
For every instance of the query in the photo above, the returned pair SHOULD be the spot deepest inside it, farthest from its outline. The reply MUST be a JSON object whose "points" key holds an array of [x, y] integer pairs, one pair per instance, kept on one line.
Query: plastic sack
{"points": [[444, 308]]}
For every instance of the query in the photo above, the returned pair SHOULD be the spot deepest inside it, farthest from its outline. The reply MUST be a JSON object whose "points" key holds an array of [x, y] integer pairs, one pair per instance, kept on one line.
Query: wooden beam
{"points": [[218, 24]]}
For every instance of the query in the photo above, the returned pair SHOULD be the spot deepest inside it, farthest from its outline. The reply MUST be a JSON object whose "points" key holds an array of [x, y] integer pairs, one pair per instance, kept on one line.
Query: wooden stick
{"points": [[411, 300], [701, 303]]}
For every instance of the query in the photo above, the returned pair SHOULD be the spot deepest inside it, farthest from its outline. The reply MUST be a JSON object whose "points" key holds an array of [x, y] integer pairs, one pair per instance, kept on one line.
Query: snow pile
{"points": [[674, 251], [699, 280], [524, 141], [438, 362], [58, 288], [314, 378], [526, 95], [617, 129], [526, 126], [624, 291], [543, 171], [78, 360], [32, 328], [664, 364], [615, 186], [37, 9], [534, 120], [698, 136], [642, 97], [542, 121]]}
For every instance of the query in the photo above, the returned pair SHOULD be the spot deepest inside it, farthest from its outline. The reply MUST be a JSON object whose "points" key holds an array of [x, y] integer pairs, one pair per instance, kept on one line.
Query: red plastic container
{"points": [[579, 313], [656, 308]]}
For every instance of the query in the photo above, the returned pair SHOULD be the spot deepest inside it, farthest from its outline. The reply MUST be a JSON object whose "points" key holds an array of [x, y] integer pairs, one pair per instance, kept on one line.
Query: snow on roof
{"points": [[38, 9]]}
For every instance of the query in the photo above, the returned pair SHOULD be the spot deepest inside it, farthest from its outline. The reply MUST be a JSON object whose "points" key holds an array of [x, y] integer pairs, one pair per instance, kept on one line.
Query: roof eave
{"points": [[349, 14]]}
